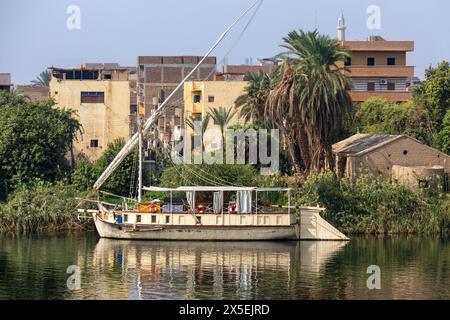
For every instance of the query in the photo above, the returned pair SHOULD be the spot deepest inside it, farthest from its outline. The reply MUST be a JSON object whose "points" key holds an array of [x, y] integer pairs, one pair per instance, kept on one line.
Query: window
{"points": [[348, 62], [391, 61], [391, 86], [94, 143], [405, 152], [125, 218], [92, 97], [370, 61], [199, 219], [167, 219], [371, 86], [138, 218], [197, 98], [153, 219], [107, 76], [210, 98]]}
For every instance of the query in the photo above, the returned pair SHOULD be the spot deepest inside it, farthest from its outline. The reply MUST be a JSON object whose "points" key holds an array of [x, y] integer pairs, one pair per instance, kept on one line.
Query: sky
{"points": [[34, 33]]}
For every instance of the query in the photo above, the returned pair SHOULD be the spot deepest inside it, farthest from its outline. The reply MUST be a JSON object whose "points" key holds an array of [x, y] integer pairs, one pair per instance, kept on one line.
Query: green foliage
{"points": [[378, 116], [206, 175], [444, 134], [43, 79], [41, 207], [86, 173], [371, 205], [35, 138]]}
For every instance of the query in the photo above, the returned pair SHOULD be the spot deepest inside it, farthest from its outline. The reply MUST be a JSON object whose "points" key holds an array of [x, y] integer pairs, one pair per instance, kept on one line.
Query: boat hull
{"points": [[186, 233]]}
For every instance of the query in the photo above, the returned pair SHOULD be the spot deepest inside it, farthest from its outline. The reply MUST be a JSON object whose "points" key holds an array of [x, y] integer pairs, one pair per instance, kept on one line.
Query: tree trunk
{"points": [[290, 142], [304, 149]]}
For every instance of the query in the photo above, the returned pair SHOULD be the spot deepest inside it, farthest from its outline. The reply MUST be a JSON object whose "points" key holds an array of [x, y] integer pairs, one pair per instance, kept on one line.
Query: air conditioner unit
{"points": [[383, 81]]}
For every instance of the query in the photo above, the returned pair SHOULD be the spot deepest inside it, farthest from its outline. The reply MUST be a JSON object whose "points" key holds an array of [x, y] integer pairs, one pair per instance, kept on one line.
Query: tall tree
{"points": [[313, 92], [222, 118], [43, 79]]}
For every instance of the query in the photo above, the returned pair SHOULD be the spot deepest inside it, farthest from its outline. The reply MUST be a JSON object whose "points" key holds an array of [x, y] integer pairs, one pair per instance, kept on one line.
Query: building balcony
{"points": [[379, 71], [391, 96]]}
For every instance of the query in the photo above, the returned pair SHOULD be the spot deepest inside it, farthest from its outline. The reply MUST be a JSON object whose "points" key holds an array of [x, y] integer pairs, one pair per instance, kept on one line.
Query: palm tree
{"points": [[311, 98], [251, 104], [190, 122], [43, 79], [222, 118]]}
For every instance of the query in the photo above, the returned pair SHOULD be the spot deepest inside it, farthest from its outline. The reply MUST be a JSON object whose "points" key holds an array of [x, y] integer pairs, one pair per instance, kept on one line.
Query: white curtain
{"points": [[217, 202], [190, 196], [244, 201]]}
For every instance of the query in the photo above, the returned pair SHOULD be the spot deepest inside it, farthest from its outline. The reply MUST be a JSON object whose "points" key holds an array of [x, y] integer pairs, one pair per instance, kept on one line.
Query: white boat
{"points": [[244, 218], [230, 212]]}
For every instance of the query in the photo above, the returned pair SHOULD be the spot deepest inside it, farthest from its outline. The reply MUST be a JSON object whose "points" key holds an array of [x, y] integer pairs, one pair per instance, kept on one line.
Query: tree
{"points": [[35, 138], [311, 99], [222, 117], [444, 134], [43, 79], [251, 104]]}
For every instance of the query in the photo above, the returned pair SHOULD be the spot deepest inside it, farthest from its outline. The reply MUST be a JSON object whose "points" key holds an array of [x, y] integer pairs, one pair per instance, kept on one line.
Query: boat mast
{"points": [[140, 158], [154, 117]]}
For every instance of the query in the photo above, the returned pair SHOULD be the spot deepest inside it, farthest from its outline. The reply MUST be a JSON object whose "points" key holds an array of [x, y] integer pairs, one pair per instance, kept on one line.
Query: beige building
{"points": [[35, 93], [201, 96], [100, 96], [5, 82], [396, 157]]}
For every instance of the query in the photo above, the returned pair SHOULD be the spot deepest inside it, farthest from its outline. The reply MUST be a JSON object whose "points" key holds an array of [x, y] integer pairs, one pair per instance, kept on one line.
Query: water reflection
{"points": [[411, 268], [200, 270]]}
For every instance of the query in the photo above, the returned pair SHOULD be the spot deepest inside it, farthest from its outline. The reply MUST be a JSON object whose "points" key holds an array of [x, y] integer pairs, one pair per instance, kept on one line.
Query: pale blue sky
{"points": [[34, 34]]}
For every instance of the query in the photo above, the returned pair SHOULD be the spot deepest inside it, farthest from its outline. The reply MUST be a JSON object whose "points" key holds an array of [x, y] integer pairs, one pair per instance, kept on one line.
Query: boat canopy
{"points": [[212, 188]]}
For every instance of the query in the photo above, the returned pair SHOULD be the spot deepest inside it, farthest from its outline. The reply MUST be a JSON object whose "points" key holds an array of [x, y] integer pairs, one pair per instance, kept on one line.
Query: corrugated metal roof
{"points": [[360, 143]]}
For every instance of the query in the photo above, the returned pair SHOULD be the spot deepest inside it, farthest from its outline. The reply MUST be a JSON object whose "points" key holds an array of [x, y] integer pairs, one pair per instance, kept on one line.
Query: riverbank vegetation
{"points": [[305, 97]]}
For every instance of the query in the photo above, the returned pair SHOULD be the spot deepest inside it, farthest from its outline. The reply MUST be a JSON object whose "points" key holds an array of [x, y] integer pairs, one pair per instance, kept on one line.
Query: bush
{"points": [[371, 205], [207, 175], [41, 207]]}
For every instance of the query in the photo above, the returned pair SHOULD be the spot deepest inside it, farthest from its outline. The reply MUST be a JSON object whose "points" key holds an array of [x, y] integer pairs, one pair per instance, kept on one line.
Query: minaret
{"points": [[341, 28]]}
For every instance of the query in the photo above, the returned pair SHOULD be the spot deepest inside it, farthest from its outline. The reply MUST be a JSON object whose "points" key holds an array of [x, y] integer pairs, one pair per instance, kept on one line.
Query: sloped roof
{"points": [[361, 143]]}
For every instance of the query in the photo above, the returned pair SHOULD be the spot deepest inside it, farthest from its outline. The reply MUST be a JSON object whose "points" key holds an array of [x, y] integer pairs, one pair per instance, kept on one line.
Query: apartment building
{"points": [[157, 77], [201, 96], [241, 72], [378, 67], [100, 94]]}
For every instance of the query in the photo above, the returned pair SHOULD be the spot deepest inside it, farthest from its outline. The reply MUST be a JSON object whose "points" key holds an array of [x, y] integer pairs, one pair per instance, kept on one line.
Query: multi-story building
{"points": [[5, 82], [201, 96], [378, 67], [157, 77], [100, 95]]}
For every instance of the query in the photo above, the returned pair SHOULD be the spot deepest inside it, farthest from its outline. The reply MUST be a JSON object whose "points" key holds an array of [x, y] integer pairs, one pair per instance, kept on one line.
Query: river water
{"points": [[36, 268]]}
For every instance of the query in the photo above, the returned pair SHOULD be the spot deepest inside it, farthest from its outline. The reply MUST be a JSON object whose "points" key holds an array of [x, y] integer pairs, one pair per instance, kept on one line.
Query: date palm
{"points": [[43, 79], [323, 97], [222, 117], [190, 122]]}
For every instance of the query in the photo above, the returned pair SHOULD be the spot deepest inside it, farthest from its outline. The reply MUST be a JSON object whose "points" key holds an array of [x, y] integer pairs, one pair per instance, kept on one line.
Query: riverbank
{"points": [[366, 206]]}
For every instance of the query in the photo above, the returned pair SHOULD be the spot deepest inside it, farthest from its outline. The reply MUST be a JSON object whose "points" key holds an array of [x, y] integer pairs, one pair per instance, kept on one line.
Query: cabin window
{"points": [[199, 219], [371, 86], [92, 97], [153, 219], [210, 99], [370, 61], [167, 219], [391, 61], [138, 218], [391, 86], [94, 143], [125, 218]]}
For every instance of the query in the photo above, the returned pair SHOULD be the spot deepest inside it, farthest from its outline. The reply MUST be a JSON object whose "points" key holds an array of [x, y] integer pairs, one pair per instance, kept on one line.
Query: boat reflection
{"points": [[214, 270]]}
